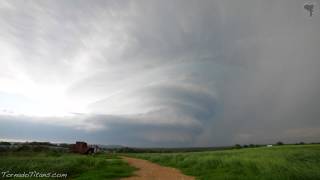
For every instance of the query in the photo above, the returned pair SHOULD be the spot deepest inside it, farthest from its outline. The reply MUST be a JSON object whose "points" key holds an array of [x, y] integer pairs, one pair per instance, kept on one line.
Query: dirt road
{"points": [[151, 171]]}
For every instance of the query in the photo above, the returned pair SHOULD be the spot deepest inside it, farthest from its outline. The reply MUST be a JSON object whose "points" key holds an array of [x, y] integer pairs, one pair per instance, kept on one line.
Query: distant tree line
{"points": [[64, 147], [5, 143], [279, 143], [32, 147]]}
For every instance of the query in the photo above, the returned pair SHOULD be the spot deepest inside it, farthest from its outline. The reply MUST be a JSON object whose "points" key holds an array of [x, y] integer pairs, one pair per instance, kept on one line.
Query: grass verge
{"points": [[294, 162], [76, 166]]}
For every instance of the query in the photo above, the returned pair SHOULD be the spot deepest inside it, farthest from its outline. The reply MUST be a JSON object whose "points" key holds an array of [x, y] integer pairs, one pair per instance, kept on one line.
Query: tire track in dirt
{"points": [[151, 171]]}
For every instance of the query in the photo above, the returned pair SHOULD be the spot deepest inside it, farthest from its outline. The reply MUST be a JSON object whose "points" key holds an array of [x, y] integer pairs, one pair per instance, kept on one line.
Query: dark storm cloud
{"points": [[169, 73], [116, 130]]}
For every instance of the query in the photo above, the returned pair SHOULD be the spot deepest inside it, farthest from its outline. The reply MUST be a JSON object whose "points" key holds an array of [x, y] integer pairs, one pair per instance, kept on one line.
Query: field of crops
{"points": [[75, 166], [278, 162]]}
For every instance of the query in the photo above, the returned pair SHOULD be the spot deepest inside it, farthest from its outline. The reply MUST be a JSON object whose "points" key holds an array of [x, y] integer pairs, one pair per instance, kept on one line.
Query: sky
{"points": [[160, 73]]}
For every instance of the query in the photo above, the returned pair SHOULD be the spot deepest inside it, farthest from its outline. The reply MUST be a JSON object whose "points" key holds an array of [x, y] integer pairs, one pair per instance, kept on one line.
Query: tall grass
{"points": [[76, 166], [280, 162]]}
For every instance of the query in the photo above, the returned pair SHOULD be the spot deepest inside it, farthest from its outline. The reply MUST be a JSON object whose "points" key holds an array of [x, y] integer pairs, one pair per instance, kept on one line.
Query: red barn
{"points": [[81, 147]]}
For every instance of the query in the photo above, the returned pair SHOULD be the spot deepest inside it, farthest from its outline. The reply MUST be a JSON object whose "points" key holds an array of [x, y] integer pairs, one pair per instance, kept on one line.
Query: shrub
{"points": [[279, 143]]}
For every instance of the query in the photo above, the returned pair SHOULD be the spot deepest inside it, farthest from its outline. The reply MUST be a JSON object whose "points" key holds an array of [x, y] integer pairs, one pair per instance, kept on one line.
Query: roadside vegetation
{"points": [[278, 162], [46, 160]]}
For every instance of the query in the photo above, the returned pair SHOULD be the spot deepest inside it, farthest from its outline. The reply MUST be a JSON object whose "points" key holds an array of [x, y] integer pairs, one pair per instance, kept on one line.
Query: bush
{"points": [[279, 143]]}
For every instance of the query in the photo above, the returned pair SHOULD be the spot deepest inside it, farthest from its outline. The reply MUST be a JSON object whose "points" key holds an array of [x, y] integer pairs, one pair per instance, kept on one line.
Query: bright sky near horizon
{"points": [[160, 73]]}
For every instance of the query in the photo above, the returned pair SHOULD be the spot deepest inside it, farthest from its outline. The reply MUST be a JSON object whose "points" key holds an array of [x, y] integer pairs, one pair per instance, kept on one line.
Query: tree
{"points": [[5, 143], [279, 143]]}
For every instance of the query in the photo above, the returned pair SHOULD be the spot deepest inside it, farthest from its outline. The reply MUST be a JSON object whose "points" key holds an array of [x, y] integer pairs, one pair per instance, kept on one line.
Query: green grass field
{"points": [[279, 162], [76, 166]]}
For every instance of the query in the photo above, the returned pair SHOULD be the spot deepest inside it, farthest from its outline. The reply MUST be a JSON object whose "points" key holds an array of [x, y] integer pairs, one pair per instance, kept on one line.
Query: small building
{"points": [[269, 145], [82, 148]]}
